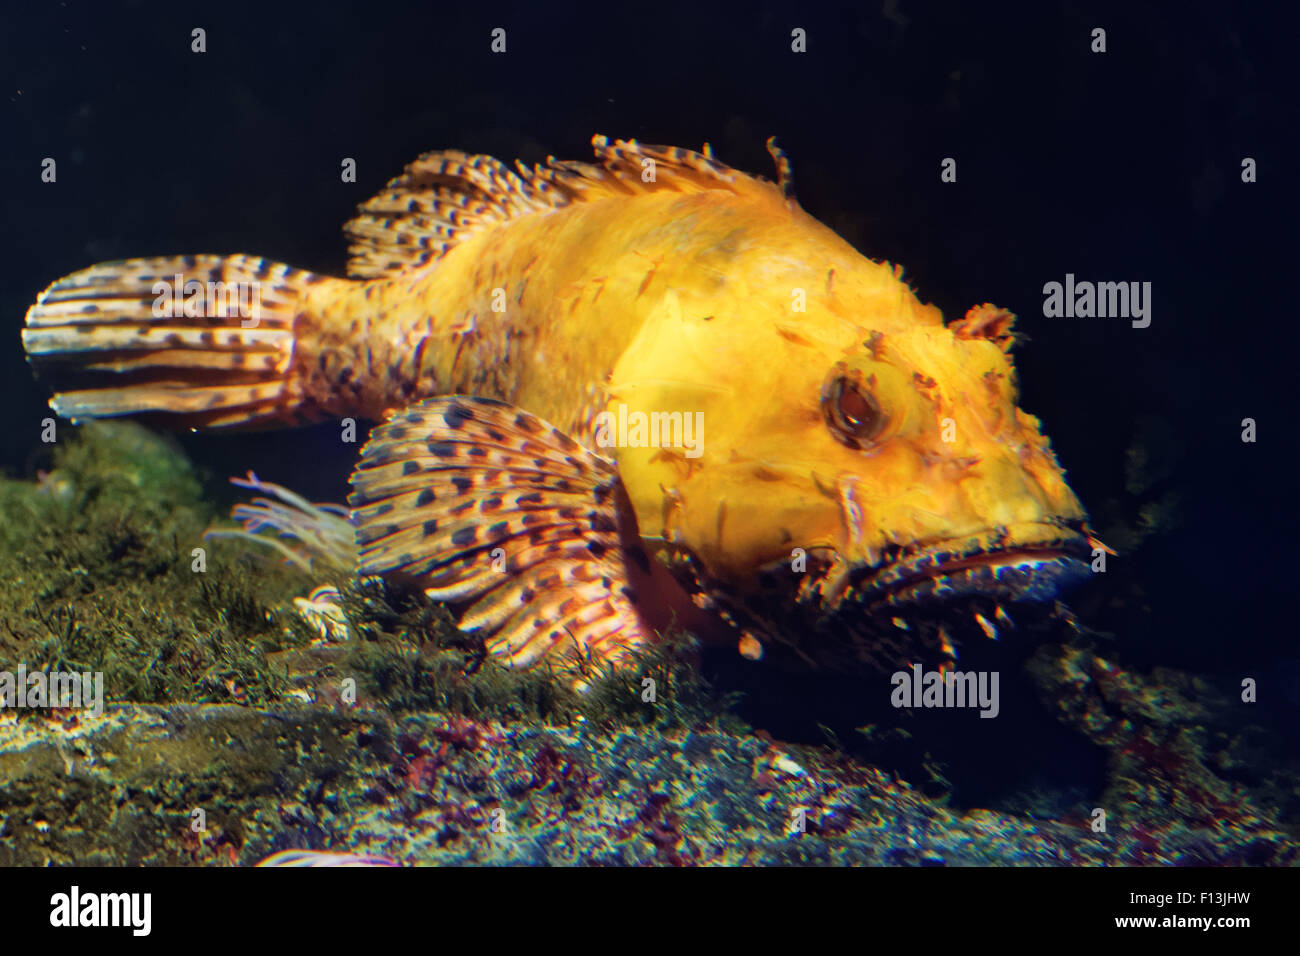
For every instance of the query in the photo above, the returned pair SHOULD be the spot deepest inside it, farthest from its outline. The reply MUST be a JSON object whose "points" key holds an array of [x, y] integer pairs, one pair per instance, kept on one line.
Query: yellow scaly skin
{"points": [[687, 302]]}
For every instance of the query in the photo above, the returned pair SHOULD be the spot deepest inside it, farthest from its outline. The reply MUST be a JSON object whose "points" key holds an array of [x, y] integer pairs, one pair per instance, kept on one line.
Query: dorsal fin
{"points": [[444, 195]]}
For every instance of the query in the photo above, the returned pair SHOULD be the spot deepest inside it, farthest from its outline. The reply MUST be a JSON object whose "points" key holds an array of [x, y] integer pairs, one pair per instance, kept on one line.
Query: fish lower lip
{"points": [[1020, 573]]}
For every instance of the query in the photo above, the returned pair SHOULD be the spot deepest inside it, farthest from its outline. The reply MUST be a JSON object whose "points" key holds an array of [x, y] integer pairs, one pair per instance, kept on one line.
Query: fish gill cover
{"points": [[628, 503]]}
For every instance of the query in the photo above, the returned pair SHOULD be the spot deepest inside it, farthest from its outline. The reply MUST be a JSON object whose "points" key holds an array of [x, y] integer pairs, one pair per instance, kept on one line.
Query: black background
{"points": [[1122, 166]]}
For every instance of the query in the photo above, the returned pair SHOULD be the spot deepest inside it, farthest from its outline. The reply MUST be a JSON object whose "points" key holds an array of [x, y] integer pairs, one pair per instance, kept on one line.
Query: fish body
{"points": [[613, 395]]}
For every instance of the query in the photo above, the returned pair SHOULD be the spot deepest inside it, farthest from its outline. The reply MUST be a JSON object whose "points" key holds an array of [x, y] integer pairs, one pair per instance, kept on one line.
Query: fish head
{"points": [[851, 462], [943, 484]]}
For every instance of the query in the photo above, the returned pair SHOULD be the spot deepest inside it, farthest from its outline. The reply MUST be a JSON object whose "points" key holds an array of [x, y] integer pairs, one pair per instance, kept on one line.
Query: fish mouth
{"points": [[992, 565], [908, 603]]}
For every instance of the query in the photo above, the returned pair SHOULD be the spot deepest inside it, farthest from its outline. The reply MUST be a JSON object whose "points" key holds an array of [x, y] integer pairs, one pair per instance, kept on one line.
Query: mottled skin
{"points": [[671, 301]]}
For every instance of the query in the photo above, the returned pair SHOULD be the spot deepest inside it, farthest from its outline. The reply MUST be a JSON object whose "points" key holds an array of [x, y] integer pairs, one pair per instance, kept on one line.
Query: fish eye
{"points": [[852, 412]]}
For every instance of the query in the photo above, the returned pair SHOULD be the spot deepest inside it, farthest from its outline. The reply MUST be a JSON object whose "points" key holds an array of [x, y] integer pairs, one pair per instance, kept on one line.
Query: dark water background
{"points": [[1123, 166]]}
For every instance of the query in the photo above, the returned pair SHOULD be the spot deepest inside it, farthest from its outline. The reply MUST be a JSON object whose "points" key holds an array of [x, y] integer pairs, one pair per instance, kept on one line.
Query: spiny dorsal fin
{"points": [[443, 195], [421, 212]]}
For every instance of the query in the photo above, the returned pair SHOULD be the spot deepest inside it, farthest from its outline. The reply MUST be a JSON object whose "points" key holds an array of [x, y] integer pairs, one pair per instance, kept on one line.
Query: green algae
{"points": [[99, 572]]}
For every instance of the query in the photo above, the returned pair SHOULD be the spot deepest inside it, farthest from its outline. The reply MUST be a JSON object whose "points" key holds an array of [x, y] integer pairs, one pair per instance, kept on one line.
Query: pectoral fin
{"points": [[525, 533]]}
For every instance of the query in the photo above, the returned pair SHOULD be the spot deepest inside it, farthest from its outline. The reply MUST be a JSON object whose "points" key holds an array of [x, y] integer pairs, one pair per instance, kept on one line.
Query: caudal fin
{"points": [[200, 341]]}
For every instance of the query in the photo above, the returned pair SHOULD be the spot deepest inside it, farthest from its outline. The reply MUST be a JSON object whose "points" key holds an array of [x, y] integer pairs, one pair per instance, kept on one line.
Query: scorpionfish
{"points": [[614, 398]]}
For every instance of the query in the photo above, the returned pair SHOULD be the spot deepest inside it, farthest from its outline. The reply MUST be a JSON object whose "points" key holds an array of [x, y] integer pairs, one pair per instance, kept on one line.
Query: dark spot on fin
{"points": [[456, 415]]}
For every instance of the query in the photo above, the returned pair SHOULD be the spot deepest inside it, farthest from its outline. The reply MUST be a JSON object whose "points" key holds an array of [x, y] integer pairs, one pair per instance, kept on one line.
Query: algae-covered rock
{"points": [[1190, 773], [150, 785], [220, 784]]}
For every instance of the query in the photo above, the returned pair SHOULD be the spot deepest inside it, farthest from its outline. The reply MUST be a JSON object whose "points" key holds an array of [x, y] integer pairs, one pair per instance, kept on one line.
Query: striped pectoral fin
{"points": [[526, 534], [205, 340]]}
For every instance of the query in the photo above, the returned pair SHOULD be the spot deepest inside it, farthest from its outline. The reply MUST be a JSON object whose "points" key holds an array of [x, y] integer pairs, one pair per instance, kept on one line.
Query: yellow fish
{"points": [[613, 396]]}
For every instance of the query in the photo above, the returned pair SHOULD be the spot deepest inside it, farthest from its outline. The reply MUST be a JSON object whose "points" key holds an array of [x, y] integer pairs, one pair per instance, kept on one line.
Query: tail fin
{"points": [[200, 341]]}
